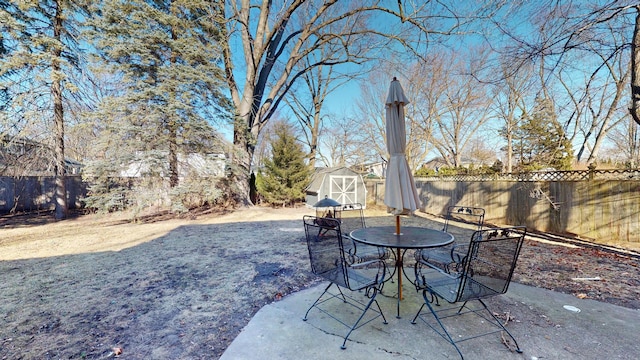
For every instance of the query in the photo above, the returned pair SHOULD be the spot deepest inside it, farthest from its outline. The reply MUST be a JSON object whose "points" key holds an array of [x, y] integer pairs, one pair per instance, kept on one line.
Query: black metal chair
{"points": [[487, 269], [329, 260], [352, 218], [449, 258]]}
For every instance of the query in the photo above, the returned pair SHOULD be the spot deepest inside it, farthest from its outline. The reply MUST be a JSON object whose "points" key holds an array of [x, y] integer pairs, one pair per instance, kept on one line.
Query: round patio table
{"points": [[410, 237]]}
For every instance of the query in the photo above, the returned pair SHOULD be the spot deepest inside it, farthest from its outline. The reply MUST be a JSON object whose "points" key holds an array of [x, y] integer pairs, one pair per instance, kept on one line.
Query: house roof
{"points": [[15, 150], [439, 162]]}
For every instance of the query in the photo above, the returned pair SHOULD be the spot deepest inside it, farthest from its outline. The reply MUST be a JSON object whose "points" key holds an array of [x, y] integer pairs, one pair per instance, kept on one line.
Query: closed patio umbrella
{"points": [[400, 194]]}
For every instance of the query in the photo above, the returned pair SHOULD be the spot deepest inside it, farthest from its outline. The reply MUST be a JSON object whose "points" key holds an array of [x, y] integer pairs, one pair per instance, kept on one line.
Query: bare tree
{"points": [[510, 101], [626, 140], [597, 109], [606, 106], [371, 111], [307, 102], [369, 108], [480, 151], [463, 107], [272, 44], [635, 68], [421, 87], [342, 145], [570, 26]]}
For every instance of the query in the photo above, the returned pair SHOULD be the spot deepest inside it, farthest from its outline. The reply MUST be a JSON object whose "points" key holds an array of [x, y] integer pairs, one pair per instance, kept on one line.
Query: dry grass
{"points": [[183, 289], [171, 289]]}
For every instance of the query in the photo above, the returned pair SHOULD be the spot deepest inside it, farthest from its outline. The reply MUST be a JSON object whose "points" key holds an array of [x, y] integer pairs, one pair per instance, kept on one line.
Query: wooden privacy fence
{"points": [[600, 206], [36, 193]]}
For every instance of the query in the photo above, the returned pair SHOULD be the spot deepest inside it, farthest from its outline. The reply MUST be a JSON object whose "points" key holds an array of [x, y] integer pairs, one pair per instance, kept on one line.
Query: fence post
{"points": [[592, 170]]}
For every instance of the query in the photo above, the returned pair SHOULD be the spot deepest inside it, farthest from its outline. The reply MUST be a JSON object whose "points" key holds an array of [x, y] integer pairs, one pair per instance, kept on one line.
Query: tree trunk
{"points": [[315, 131], [173, 154], [61, 207], [509, 152], [243, 153], [635, 70], [173, 126]]}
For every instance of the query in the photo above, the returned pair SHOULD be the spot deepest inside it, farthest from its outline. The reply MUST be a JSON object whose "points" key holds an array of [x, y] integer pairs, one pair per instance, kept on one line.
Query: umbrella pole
{"points": [[399, 260], [399, 265]]}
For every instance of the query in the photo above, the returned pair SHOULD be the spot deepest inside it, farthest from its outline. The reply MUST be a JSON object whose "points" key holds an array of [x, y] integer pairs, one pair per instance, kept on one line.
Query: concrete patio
{"points": [[541, 324]]}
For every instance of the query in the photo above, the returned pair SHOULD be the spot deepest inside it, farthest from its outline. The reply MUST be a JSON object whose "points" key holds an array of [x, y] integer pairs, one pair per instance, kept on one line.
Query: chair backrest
{"points": [[466, 214], [326, 252], [490, 261], [352, 218]]}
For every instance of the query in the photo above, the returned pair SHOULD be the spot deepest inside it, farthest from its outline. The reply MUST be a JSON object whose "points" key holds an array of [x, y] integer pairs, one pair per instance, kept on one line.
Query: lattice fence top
{"points": [[572, 175]]}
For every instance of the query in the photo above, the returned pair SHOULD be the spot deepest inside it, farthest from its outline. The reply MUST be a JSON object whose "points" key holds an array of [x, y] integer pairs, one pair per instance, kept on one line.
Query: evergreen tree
{"points": [[166, 56], [541, 141], [285, 175], [164, 59], [39, 52]]}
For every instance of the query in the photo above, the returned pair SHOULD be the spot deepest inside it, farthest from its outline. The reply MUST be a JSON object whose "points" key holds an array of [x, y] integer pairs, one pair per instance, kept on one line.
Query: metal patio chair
{"points": [[329, 260], [487, 269], [352, 218], [449, 258]]}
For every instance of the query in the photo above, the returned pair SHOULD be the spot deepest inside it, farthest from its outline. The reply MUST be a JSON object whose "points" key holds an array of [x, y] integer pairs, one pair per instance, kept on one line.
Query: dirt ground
{"points": [[97, 287]]}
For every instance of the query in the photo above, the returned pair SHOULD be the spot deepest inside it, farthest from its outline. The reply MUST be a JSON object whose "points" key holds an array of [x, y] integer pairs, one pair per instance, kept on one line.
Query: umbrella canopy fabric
{"points": [[400, 195]]}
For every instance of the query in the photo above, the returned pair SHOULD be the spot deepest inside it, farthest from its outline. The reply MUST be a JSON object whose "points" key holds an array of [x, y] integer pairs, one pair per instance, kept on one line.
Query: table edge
{"points": [[363, 241]]}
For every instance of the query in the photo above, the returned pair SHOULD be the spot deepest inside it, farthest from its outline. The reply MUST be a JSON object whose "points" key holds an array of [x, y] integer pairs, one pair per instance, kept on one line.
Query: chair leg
{"points": [[435, 315], [462, 307], [372, 299], [344, 298], [417, 314], [498, 322], [355, 326], [381, 313], [318, 300], [445, 334]]}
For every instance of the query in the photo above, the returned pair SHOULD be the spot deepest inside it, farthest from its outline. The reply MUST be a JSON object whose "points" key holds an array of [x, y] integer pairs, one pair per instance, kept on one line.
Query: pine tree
{"points": [[541, 141], [285, 175], [39, 53], [165, 59], [167, 56]]}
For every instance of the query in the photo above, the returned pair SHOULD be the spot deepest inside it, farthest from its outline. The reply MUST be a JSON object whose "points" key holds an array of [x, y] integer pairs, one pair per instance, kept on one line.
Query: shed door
{"points": [[344, 188]]}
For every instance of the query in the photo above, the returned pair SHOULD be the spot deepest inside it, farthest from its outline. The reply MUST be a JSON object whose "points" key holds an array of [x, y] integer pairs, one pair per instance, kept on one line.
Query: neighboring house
{"points": [[439, 162], [434, 164], [24, 157], [204, 165], [377, 169]]}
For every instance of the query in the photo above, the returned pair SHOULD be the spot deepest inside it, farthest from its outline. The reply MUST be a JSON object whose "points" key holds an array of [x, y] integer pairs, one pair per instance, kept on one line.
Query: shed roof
{"points": [[318, 176]]}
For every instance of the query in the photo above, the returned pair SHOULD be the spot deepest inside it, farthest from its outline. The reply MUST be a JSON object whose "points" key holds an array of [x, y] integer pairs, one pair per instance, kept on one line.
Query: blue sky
{"points": [[341, 103]]}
